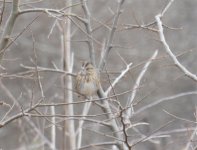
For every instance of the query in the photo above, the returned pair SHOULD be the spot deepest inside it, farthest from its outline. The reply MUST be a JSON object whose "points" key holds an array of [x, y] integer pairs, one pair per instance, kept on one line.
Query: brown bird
{"points": [[87, 80]]}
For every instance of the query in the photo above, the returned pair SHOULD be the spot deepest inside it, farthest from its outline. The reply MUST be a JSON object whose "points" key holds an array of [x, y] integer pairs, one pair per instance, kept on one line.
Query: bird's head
{"points": [[86, 68]]}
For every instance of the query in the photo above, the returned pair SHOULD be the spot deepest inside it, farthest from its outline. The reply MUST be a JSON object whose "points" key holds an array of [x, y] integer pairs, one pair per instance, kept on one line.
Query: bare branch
{"points": [[137, 83], [36, 69], [8, 28], [4, 43], [98, 145], [191, 139], [156, 102], [81, 122], [111, 35], [118, 78], [155, 131], [53, 128], [89, 31], [179, 118], [2, 12], [167, 48], [67, 62]]}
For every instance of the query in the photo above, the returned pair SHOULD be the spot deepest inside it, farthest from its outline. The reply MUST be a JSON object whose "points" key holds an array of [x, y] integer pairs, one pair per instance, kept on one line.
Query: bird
{"points": [[87, 80]]}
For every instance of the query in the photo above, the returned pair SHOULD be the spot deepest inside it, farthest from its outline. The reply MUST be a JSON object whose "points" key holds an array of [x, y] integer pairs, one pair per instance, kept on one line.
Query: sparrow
{"points": [[87, 80]]}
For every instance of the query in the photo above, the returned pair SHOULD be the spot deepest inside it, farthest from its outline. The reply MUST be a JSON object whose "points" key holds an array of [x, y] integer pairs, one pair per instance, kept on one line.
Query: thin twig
{"points": [[156, 102], [2, 12], [118, 78], [191, 139], [138, 80], [36, 69], [111, 35], [4, 45], [155, 131], [179, 118], [87, 24], [8, 28]]}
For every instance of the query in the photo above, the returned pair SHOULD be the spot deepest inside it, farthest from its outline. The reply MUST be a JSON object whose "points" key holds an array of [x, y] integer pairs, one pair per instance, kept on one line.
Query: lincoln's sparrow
{"points": [[87, 80]]}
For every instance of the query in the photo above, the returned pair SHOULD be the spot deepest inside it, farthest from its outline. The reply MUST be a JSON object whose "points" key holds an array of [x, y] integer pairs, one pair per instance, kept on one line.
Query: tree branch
{"points": [[167, 48], [111, 35], [8, 28]]}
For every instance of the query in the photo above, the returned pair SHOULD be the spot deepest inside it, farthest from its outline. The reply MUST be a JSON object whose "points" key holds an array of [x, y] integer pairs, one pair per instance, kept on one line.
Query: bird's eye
{"points": [[82, 66], [87, 64]]}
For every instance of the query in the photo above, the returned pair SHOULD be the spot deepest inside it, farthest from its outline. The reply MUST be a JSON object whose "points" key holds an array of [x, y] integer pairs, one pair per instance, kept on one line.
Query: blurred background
{"points": [[162, 79]]}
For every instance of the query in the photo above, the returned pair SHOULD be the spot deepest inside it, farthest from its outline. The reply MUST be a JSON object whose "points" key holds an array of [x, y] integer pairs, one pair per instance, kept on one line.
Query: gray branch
{"points": [[8, 28]]}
